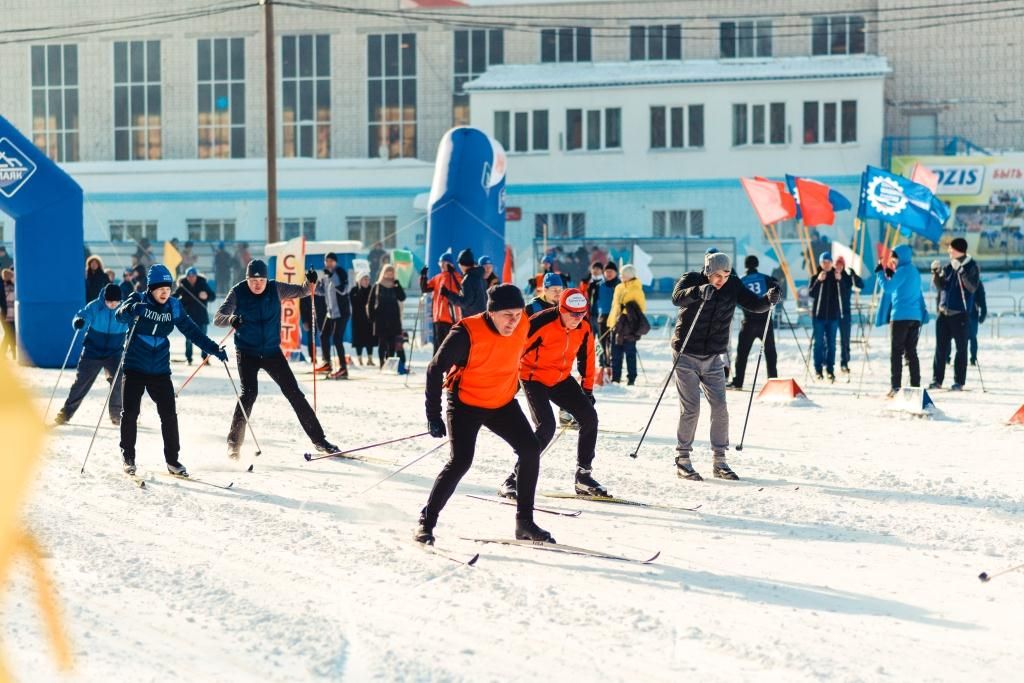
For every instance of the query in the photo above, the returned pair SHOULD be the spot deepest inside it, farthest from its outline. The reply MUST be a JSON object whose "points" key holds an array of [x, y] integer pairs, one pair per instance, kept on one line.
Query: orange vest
{"points": [[443, 310], [552, 349], [490, 378]]}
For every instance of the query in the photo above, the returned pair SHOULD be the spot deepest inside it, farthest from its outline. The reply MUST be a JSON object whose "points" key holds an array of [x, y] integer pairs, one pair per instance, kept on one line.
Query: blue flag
{"points": [[895, 199]]}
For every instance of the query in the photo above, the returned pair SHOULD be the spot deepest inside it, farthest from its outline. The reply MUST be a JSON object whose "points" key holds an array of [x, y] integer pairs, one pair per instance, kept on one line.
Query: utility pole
{"points": [[268, 34]]}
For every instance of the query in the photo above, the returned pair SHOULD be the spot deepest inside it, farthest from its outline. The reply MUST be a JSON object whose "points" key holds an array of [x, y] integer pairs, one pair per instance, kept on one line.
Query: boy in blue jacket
{"points": [[902, 306], [104, 338], [153, 315]]}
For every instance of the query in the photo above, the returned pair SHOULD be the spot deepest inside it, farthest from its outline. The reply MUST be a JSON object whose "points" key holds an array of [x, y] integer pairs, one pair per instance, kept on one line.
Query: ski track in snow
{"points": [[848, 552]]}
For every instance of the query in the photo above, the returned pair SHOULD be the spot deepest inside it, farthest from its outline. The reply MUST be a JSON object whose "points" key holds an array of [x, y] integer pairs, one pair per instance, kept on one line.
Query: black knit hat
{"points": [[331, 255], [751, 262], [960, 244], [466, 258], [504, 297], [611, 265], [256, 268], [111, 292]]}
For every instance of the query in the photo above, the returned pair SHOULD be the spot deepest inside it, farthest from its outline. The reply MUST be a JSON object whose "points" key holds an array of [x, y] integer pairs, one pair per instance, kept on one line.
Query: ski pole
{"points": [[245, 413], [415, 334], [61, 374], [977, 364], [668, 379], [641, 364], [312, 335], [963, 297], [205, 361], [985, 577], [406, 465], [757, 369], [113, 383], [310, 456]]}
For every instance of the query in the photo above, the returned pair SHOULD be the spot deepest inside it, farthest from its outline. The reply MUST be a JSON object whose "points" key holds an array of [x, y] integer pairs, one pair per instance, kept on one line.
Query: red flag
{"points": [[769, 199], [508, 267], [925, 176], [815, 206]]}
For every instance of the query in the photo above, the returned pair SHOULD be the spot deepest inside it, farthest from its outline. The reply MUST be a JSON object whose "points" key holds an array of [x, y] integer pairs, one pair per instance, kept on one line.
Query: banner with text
{"points": [[291, 269]]}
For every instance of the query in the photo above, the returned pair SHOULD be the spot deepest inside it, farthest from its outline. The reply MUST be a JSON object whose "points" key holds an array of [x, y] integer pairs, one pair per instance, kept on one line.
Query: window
{"points": [[137, 100], [220, 90], [677, 127], [391, 94], [745, 39], [373, 229], [560, 225], [475, 50], [55, 100], [584, 126], [678, 223], [759, 124], [656, 42], [211, 229], [837, 35], [522, 131], [290, 228], [565, 45], [306, 96], [829, 122], [132, 231]]}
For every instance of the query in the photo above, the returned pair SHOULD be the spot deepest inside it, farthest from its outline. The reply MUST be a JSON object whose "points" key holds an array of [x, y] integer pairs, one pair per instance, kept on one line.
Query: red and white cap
{"points": [[573, 301]]}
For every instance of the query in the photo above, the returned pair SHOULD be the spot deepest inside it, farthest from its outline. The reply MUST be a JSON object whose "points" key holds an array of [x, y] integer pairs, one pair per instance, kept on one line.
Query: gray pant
{"points": [[694, 373], [88, 369]]}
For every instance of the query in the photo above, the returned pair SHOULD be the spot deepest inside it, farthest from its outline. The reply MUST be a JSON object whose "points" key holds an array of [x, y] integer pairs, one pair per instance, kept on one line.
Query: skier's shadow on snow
{"points": [[1011, 506]]}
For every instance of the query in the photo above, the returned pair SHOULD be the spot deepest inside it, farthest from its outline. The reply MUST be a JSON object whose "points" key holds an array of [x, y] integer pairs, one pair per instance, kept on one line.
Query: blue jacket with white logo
{"points": [[104, 333], [148, 349], [260, 331], [902, 297]]}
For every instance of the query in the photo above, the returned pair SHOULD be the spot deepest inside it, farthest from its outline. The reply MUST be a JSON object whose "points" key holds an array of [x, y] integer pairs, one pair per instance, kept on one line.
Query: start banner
{"points": [[291, 269]]}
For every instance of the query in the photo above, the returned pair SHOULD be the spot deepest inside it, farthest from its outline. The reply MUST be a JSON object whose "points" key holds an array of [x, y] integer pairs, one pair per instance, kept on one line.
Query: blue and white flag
{"points": [[897, 200]]}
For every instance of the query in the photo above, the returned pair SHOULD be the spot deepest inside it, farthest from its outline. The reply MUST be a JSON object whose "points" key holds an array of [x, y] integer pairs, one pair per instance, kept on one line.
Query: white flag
{"points": [[642, 263], [852, 259]]}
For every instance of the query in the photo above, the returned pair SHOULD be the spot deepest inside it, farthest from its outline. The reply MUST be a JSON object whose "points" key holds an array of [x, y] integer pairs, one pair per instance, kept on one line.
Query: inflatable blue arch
{"points": [[49, 268]]}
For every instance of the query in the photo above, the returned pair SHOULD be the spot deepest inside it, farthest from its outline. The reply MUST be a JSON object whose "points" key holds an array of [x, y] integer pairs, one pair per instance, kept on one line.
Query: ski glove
{"points": [[78, 323], [135, 308], [590, 395], [936, 266], [311, 276], [436, 427], [444, 292], [222, 355], [236, 321], [424, 271], [774, 295], [889, 272], [706, 291]]}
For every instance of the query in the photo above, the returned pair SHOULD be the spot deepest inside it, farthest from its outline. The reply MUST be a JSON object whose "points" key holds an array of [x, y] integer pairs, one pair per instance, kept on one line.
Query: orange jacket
{"points": [[443, 310], [551, 348], [489, 379]]}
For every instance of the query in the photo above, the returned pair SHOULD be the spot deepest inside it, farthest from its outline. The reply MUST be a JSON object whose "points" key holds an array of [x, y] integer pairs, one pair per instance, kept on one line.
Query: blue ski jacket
{"points": [[148, 351], [104, 333]]}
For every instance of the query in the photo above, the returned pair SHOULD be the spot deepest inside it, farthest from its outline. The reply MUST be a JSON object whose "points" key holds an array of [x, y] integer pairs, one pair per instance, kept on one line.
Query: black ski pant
{"points": [[441, 331], [161, 390], [751, 329], [604, 354], [845, 329], [567, 395], [464, 423], [277, 367], [905, 334], [334, 332], [390, 345], [950, 329], [88, 369]]}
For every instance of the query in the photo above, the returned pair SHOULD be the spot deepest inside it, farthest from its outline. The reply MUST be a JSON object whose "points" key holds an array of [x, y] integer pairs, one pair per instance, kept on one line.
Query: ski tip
{"points": [[653, 558], [472, 561], [142, 484], [229, 484], [250, 468], [307, 456], [575, 513]]}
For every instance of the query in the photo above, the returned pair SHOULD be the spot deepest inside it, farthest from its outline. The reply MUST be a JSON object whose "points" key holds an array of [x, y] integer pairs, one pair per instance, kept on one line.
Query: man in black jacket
{"points": [[826, 310], [848, 280], [700, 364], [473, 297], [195, 293], [753, 325], [956, 284]]}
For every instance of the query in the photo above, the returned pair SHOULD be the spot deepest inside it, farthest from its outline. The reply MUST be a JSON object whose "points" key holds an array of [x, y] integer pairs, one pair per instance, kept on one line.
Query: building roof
{"points": [[615, 74]]}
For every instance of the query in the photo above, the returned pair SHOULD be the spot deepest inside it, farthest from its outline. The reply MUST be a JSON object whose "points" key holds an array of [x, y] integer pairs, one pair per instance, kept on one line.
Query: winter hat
{"points": [[256, 268], [466, 257], [192, 271], [840, 259], [360, 274], [573, 301], [611, 265], [751, 262], [446, 257], [159, 276], [597, 264], [825, 256], [960, 244], [629, 271], [716, 261], [111, 292], [504, 297], [711, 250], [331, 255], [548, 259], [485, 261], [553, 280]]}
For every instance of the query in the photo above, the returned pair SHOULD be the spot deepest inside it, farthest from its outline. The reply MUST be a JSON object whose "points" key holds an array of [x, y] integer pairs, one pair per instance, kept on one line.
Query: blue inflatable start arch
{"points": [[49, 268]]}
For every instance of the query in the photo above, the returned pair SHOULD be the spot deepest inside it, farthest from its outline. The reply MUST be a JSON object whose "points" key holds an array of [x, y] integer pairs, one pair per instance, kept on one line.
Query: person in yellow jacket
{"points": [[624, 336]]}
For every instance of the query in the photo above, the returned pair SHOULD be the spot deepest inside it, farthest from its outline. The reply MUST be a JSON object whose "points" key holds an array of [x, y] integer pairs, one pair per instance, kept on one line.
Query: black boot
{"points": [[176, 468], [526, 530], [234, 450], [128, 462], [424, 532], [588, 486], [684, 469], [508, 487], [723, 471], [61, 418], [325, 446]]}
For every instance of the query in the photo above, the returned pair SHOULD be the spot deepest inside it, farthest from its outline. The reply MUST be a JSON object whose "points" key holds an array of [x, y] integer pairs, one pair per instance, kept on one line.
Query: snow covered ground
{"points": [[848, 552]]}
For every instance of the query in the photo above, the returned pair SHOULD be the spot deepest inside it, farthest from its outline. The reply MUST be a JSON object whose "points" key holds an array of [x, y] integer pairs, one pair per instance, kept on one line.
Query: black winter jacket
{"points": [[194, 305], [711, 331], [827, 296], [473, 298]]}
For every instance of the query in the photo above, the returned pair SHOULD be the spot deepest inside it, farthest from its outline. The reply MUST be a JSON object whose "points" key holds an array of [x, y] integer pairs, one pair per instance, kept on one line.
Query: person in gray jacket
{"points": [[333, 287]]}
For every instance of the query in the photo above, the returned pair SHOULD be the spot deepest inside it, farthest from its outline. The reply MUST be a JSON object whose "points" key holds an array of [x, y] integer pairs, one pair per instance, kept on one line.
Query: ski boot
{"points": [[61, 418], [818, 376], [325, 446], [234, 450], [424, 533], [892, 393], [177, 469], [565, 418], [128, 462], [526, 530], [342, 373], [684, 469], [935, 385], [115, 420], [831, 377], [957, 387], [586, 485], [326, 367], [722, 469], [733, 386], [508, 487]]}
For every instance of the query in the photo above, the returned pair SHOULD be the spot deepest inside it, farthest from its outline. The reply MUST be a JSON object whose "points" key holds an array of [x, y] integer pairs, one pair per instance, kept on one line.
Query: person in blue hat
{"points": [[195, 293], [490, 277], [548, 296], [826, 311], [151, 317]]}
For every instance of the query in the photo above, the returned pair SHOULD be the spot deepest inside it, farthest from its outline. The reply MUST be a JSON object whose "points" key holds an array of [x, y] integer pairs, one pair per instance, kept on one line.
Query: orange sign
{"points": [[290, 269]]}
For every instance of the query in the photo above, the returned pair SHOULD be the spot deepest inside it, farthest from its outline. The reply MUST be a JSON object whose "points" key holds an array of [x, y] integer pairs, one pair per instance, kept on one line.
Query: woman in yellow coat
{"points": [[623, 339]]}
